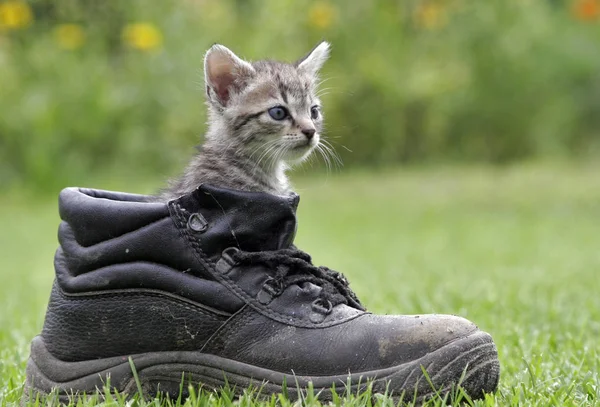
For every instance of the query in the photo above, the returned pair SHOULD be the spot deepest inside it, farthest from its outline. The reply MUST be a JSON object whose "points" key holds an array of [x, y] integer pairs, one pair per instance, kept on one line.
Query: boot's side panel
{"points": [[102, 325]]}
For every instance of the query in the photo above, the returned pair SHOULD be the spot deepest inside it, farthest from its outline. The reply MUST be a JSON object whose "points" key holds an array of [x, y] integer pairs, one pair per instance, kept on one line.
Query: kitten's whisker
{"points": [[270, 147], [327, 145], [310, 161], [341, 145], [320, 150], [333, 159], [280, 154], [275, 156], [265, 148], [332, 162], [262, 147], [323, 90], [335, 154], [323, 80], [325, 157], [323, 93], [272, 157]]}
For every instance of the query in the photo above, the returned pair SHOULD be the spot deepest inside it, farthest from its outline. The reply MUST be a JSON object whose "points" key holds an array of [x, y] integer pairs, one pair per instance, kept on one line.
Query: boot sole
{"points": [[471, 362]]}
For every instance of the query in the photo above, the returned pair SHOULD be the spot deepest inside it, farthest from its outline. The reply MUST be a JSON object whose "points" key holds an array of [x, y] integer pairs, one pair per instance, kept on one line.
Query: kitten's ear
{"points": [[223, 72], [315, 59]]}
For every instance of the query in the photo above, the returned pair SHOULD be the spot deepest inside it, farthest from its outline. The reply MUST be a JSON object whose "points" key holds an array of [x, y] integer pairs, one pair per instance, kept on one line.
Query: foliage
{"points": [[86, 86]]}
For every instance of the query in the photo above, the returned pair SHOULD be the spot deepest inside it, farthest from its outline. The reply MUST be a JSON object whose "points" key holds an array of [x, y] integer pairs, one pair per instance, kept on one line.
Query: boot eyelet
{"points": [[197, 223], [227, 261], [322, 306], [271, 288], [228, 255]]}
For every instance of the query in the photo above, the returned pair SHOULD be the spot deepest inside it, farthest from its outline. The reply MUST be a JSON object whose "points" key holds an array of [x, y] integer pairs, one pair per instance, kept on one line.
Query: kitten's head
{"points": [[267, 109]]}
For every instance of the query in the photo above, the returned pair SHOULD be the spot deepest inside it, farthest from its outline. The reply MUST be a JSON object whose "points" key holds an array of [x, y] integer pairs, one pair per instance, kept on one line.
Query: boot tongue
{"points": [[250, 221]]}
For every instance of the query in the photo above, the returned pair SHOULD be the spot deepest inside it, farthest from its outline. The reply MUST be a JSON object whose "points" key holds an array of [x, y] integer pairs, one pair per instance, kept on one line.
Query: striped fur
{"points": [[245, 148]]}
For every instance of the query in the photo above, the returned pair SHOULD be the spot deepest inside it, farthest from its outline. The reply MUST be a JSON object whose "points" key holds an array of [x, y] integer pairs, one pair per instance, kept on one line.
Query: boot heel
{"points": [[47, 375]]}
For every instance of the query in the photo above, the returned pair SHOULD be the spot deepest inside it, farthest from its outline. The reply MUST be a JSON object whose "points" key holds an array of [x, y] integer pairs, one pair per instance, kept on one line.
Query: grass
{"points": [[515, 250]]}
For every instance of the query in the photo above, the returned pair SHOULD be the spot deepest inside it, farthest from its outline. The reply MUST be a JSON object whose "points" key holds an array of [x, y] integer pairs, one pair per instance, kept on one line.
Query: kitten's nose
{"points": [[309, 133]]}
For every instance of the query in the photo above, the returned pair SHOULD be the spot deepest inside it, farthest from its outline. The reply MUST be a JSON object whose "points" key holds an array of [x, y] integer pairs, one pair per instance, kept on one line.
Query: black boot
{"points": [[210, 285]]}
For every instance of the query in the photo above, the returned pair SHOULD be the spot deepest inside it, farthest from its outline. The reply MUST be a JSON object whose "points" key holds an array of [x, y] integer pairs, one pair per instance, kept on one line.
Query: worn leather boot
{"points": [[209, 287]]}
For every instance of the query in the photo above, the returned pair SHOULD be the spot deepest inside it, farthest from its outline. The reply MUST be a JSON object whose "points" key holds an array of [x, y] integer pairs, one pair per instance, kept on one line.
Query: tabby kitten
{"points": [[263, 117]]}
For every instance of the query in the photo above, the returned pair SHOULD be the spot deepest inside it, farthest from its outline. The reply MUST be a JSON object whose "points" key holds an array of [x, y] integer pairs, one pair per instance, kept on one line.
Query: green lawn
{"points": [[515, 250]]}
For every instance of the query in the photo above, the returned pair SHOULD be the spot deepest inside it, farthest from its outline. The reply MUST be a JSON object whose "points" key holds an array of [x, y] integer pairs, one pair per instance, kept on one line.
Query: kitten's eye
{"points": [[278, 112], [314, 112]]}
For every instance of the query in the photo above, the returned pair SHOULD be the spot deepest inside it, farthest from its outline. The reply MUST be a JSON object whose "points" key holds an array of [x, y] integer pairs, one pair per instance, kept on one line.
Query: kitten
{"points": [[263, 117]]}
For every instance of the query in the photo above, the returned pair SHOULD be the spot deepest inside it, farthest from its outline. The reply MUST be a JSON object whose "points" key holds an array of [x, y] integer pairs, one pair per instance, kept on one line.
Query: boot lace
{"points": [[293, 266]]}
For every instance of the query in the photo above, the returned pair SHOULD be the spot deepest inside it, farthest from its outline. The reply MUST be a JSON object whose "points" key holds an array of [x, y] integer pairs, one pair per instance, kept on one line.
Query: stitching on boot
{"points": [[176, 301]]}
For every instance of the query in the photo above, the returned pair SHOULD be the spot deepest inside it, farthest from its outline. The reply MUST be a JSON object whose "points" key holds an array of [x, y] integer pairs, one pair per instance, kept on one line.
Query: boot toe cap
{"points": [[413, 336]]}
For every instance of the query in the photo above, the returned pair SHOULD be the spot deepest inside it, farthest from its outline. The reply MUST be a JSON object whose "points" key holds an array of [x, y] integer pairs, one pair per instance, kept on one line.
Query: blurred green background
{"points": [[469, 131], [116, 86]]}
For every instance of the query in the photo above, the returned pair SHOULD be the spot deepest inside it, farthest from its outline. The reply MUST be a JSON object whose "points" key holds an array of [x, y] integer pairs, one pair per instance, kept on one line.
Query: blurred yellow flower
{"points": [[142, 36], [15, 15], [321, 15], [431, 16], [69, 36]]}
